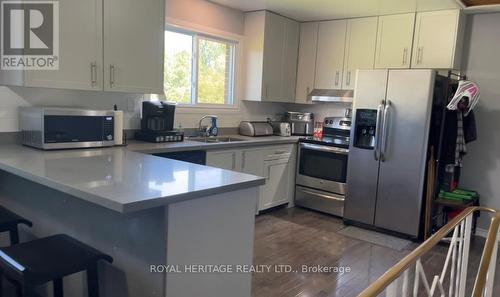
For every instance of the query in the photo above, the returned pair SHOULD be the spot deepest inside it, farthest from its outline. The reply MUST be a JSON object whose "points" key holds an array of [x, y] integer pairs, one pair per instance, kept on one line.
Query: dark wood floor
{"points": [[299, 237]]}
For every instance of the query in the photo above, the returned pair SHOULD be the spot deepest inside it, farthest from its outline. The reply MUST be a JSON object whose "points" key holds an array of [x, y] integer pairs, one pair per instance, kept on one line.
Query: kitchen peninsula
{"points": [[142, 210]]}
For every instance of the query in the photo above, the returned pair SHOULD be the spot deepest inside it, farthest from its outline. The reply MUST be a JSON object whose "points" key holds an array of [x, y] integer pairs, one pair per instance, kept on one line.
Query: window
{"points": [[199, 69]]}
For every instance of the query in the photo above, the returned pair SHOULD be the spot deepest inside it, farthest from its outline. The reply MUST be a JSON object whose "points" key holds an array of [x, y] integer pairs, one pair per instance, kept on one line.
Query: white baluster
{"points": [[420, 271], [454, 264], [460, 257], [392, 289], [465, 255], [416, 282], [406, 277]]}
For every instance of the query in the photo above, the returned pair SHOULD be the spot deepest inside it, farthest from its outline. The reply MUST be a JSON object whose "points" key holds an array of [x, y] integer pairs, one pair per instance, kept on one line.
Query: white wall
{"points": [[200, 14], [206, 14], [11, 98], [482, 64]]}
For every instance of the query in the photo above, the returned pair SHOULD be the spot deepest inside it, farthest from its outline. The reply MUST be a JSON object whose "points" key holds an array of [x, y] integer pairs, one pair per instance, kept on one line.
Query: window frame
{"points": [[230, 102]]}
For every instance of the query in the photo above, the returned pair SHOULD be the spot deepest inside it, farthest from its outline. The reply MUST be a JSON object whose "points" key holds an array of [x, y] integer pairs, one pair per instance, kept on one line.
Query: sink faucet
{"points": [[213, 130]]}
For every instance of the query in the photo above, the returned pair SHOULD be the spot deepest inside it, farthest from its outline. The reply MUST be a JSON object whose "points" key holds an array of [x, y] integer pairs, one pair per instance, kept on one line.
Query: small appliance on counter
{"points": [[321, 179], [50, 128], [252, 128], [281, 129], [301, 123], [157, 123], [118, 119]]}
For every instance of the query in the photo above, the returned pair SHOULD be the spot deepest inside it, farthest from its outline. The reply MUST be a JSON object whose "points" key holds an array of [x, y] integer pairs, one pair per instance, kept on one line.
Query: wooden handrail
{"points": [[480, 283], [392, 274]]}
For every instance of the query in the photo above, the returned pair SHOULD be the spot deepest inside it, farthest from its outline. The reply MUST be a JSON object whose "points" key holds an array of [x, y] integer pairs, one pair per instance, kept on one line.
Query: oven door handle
{"points": [[330, 196], [323, 148]]}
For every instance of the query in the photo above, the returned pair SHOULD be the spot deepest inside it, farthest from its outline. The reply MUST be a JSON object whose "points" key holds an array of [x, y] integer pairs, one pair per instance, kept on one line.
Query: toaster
{"points": [[282, 128], [251, 128]]}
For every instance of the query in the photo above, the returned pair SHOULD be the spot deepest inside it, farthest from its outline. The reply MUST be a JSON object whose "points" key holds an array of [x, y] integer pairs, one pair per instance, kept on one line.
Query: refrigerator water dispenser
{"points": [[364, 129]]}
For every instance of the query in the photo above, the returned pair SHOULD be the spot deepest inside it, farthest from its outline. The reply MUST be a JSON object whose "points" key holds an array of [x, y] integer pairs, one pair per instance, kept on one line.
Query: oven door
{"points": [[322, 167]]}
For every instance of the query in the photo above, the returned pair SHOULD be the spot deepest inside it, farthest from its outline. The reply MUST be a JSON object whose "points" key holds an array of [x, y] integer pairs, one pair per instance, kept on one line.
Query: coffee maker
{"points": [[157, 123]]}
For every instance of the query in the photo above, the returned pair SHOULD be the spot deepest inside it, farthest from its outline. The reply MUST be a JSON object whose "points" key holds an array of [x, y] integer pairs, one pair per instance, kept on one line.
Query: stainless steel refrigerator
{"points": [[388, 149]]}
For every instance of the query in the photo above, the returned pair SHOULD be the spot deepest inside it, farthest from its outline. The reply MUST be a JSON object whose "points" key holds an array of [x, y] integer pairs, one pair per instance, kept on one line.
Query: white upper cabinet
{"points": [[361, 39], [330, 54], [108, 45], [307, 61], [291, 53], [394, 41], [274, 47], [133, 45], [271, 49], [438, 38], [80, 49]]}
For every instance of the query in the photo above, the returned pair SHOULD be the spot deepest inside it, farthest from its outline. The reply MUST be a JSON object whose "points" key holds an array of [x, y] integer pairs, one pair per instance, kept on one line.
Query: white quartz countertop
{"points": [[123, 179]]}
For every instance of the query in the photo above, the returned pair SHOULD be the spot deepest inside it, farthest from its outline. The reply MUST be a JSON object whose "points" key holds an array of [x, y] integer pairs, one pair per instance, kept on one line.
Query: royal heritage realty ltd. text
{"points": [[280, 268]]}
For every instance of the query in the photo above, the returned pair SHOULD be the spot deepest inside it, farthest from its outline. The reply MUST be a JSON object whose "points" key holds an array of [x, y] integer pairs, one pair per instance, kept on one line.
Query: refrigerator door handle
{"points": [[385, 131], [376, 151]]}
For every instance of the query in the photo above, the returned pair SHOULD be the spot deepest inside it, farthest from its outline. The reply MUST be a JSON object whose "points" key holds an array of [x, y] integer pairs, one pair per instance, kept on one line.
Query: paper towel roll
{"points": [[118, 127]]}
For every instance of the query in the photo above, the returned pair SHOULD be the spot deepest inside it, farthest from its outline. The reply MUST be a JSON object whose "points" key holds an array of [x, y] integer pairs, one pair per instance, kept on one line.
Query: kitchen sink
{"points": [[215, 139]]}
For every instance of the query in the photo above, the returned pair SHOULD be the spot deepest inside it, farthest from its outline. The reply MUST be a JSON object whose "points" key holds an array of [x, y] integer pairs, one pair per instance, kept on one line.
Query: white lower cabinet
{"points": [[223, 159], [277, 188], [275, 163]]}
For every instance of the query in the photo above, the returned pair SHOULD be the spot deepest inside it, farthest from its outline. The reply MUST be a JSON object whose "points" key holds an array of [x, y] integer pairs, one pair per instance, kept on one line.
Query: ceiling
{"points": [[314, 10]]}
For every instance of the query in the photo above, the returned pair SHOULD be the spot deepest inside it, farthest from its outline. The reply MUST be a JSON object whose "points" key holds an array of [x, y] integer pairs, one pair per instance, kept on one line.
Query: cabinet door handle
{"points": [[111, 75], [348, 78], [420, 54], [93, 73], [308, 90], [234, 161], [337, 74], [405, 53], [243, 160]]}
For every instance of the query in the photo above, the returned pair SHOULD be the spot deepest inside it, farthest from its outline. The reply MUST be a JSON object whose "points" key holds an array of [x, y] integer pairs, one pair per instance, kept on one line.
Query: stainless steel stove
{"points": [[322, 168]]}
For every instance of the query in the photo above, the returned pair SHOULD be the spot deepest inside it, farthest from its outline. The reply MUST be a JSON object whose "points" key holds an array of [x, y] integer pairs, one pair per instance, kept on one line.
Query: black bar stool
{"points": [[9, 222], [50, 259]]}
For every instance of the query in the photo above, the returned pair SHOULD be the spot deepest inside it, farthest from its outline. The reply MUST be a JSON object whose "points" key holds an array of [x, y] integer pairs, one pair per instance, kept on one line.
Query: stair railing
{"points": [[408, 277]]}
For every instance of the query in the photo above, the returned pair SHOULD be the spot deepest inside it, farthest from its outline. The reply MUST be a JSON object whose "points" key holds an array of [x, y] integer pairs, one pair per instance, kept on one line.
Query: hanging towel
{"points": [[468, 93], [465, 99], [470, 130], [460, 149]]}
